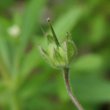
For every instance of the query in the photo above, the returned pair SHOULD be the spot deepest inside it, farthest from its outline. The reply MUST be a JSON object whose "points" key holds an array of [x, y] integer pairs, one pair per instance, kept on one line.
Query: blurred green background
{"points": [[27, 82]]}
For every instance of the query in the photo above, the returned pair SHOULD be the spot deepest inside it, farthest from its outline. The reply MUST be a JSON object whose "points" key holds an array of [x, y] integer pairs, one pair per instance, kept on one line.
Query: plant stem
{"points": [[67, 82]]}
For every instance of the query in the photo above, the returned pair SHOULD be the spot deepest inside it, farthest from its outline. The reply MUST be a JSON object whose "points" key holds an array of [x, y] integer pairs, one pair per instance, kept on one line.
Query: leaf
{"points": [[90, 88], [90, 62], [4, 4], [4, 49], [30, 20], [2, 86], [98, 29], [34, 84], [29, 63], [68, 21]]}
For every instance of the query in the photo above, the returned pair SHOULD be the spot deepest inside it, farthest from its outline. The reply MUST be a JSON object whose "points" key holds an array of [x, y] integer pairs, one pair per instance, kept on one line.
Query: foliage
{"points": [[26, 81]]}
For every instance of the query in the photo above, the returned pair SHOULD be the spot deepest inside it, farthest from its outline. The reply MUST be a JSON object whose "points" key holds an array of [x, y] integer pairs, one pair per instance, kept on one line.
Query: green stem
{"points": [[67, 82]]}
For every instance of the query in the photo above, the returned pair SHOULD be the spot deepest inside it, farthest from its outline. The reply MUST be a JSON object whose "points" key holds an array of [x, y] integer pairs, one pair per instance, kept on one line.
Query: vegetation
{"points": [[26, 81]]}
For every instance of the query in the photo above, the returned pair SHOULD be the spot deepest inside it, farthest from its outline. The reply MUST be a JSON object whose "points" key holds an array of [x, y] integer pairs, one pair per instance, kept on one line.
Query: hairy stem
{"points": [[67, 82]]}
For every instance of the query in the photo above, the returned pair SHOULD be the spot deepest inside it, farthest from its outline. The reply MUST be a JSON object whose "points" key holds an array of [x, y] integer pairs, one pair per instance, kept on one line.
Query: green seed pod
{"points": [[59, 55]]}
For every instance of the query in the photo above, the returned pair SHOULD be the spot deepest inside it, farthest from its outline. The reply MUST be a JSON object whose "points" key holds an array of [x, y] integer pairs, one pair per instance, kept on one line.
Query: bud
{"points": [[14, 31], [59, 55]]}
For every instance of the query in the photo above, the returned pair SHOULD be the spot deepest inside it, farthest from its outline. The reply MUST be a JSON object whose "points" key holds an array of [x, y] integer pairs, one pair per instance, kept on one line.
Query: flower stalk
{"points": [[60, 55], [69, 90]]}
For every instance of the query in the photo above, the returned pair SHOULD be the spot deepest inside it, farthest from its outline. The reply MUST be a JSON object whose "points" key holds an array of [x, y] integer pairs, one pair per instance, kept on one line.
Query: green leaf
{"points": [[68, 21], [90, 62], [31, 19], [34, 84], [4, 49], [29, 63], [90, 88], [98, 29]]}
